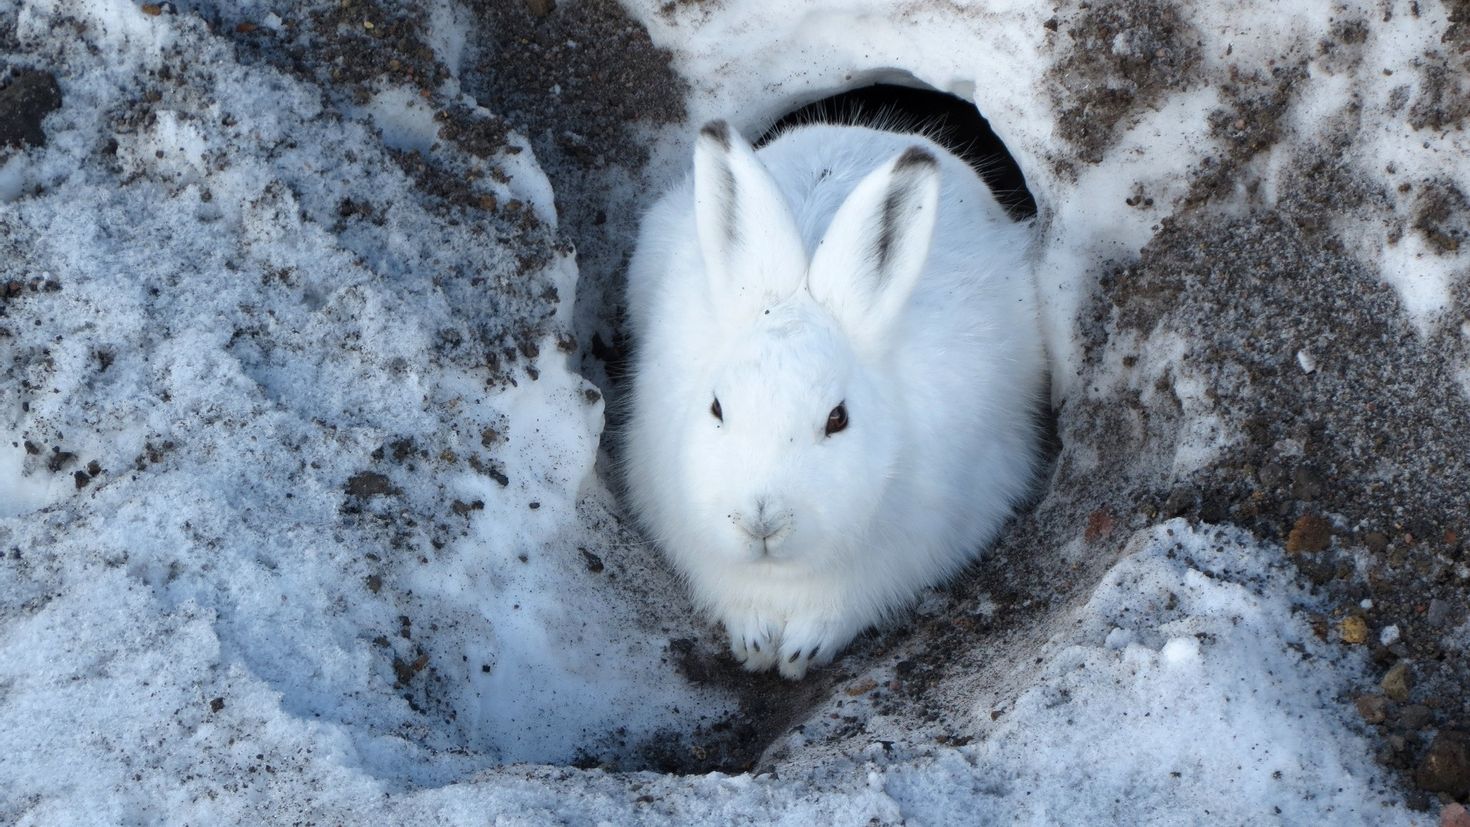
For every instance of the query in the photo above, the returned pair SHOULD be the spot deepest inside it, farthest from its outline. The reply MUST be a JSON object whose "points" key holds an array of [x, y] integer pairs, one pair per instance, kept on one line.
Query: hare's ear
{"points": [[875, 248], [752, 251]]}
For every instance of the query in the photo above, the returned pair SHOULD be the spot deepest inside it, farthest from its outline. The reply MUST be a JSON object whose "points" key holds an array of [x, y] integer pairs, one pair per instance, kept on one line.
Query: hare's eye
{"points": [[837, 420], [715, 410]]}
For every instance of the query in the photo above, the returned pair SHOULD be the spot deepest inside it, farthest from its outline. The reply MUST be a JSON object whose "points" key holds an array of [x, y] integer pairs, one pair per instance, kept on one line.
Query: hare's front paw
{"points": [[806, 642], [753, 640]]}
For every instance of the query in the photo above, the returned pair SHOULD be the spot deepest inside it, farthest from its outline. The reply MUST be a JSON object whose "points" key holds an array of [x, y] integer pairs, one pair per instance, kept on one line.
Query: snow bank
{"points": [[293, 445], [1193, 685]]}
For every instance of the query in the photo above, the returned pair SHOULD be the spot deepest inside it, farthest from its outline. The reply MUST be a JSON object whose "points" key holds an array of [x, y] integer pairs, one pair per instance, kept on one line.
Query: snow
{"points": [[233, 354], [1220, 700], [211, 628]]}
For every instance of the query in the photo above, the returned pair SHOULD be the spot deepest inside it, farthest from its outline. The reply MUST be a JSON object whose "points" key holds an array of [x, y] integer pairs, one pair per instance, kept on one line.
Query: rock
{"points": [[1353, 629], [29, 98], [1099, 525], [1214, 510], [1446, 765], [1305, 484], [594, 563], [463, 509], [1396, 683], [1454, 815], [1373, 708], [1310, 533], [1441, 614], [1376, 541], [1415, 717], [1181, 500], [369, 484]]}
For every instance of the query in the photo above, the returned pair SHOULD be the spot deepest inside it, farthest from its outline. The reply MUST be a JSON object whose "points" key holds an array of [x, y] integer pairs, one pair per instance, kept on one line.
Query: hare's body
{"points": [[777, 296]]}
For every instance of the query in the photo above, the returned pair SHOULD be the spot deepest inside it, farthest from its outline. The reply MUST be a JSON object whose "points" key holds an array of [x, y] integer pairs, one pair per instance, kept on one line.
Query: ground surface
{"points": [[301, 501]]}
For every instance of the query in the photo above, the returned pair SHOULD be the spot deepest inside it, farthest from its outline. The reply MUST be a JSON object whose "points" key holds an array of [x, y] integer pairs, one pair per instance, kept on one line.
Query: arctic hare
{"points": [[836, 375]]}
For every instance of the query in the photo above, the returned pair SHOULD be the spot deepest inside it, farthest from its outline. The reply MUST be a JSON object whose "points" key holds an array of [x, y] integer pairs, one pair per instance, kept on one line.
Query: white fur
{"points": [[778, 302]]}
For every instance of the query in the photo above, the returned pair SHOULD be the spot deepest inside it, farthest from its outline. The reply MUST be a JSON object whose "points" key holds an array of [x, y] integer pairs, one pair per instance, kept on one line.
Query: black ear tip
{"points": [[717, 131], [915, 157]]}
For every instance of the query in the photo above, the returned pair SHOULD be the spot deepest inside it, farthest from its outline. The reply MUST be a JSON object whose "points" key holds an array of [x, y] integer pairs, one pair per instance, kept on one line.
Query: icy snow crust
{"points": [[311, 499], [296, 587]]}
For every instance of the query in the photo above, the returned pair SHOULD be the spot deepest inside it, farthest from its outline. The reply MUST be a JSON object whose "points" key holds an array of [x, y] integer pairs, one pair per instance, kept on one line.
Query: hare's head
{"points": [[792, 446]]}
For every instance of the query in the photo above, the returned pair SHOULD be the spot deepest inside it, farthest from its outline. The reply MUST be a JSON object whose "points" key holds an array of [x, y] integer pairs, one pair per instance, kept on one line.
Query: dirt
{"points": [[353, 48], [1118, 60], [579, 77], [1442, 216], [367, 484], [1248, 125], [25, 101]]}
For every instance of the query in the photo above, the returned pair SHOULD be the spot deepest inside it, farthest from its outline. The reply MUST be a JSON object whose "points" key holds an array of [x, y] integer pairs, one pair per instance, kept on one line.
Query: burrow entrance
{"points": [[952, 122]]}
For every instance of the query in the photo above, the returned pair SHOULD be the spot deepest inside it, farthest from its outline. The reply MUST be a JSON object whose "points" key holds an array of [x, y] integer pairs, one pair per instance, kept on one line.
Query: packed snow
{"points": [[281, 540]]}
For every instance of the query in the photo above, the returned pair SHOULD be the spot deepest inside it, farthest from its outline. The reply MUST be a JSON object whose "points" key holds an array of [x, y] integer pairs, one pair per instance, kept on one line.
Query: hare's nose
{"points": [[767, 524]]}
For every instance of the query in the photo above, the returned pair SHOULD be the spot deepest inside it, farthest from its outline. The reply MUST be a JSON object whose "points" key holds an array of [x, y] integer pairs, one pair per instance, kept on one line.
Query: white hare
{"points": [[837, 370]]}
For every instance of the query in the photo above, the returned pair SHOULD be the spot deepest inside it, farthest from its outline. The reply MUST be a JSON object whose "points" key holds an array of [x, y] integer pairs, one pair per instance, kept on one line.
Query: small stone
{"points": [[1415, 717], [1396, 683], [59, 459], [369, 484], [1099, 525], [1373, 708], [217, 704], [540, 8], [1376, 541], [1305, 484], [594, 563], [1180, 501], [1353, 629], [463, 509], [1438, 615], [1446, 765], [1454, 815], [1389, 635], [1214, 510], [1310, 533], [1271, 475], [862, 687]]}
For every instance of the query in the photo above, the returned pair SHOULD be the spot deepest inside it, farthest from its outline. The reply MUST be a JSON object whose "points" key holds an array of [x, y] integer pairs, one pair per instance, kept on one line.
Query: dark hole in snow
{"points": [[952, 122]]}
